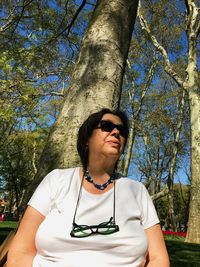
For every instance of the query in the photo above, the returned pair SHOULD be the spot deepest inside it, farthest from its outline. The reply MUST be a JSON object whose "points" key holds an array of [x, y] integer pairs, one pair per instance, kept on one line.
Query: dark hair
{"points": [[86, 129]]}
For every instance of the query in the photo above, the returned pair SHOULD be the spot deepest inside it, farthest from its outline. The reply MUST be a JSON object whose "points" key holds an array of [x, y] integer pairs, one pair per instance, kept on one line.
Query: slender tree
{"points": [[135, 116]]}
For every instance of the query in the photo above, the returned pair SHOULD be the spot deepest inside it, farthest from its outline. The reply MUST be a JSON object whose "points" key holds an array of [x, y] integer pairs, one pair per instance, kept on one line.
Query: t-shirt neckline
{"points": [[85, 192]]}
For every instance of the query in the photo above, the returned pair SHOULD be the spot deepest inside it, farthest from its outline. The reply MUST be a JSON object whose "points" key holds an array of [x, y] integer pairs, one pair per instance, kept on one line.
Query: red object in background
{"points": [[2, 217], [174, 233]]}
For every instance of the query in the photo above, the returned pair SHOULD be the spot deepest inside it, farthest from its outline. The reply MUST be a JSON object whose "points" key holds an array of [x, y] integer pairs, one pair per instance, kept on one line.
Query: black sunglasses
{"points": [[108, 126], [104, 228]]}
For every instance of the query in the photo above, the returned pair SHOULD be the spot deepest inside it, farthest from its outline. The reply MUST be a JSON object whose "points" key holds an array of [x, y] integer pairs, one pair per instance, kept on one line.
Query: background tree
{"points": [[37, 56], [18, 165], [189, 83]]}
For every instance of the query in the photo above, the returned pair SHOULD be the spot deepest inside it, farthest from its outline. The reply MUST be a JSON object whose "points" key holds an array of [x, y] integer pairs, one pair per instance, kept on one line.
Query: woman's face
{"points": [[104, 143]]}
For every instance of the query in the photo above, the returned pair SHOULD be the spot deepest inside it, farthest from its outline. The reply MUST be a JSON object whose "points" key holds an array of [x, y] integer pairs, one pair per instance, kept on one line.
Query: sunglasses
{"points": [[104, 228], [108, 126]]}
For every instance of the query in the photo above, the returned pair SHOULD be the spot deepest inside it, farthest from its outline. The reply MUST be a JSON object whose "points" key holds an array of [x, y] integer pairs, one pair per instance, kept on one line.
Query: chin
{"points": [[114, 155]]}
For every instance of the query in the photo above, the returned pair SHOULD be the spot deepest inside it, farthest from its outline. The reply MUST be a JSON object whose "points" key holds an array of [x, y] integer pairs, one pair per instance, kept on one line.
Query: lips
{"points": [[114, 142]]}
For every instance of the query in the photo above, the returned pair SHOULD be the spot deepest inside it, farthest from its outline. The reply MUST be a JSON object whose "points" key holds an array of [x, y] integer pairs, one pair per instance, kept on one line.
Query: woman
{"points": [[90, 216]]}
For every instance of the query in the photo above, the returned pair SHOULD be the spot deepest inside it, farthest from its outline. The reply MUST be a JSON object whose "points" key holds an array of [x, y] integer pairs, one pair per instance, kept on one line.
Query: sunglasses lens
{"points": [[122, 130], [107, 228], [108, 126], [81, 231]]}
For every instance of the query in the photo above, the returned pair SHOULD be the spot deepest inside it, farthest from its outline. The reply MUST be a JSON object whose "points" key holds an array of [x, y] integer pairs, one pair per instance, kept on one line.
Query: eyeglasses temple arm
{"points": [[114, 203], [79, 194]]}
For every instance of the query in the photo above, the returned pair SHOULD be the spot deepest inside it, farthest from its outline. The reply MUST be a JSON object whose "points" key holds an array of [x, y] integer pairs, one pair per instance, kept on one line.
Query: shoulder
{"points": [[58, 178], [60, 174], [126, 181], [129, 185], [59, 182]]}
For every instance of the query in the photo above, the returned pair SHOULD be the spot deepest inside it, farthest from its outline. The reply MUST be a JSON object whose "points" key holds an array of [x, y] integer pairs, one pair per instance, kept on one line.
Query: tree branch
{"points": [[68, 27], [160, 194], [191, 19], [13, 17], [168, 67], [147, 84]]}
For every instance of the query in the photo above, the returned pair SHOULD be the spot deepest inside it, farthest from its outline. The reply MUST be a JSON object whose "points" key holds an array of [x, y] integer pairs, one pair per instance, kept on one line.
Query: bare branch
{"points": [[168, 67], [21, 13], [160, 194], [191, 18], [68, 27], [10, 20], [13, 17], [147, 84]]}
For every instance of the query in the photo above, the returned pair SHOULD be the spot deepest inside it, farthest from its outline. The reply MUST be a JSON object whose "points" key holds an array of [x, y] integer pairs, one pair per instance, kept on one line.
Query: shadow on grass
{"points": [[183, 254], [5, 228]]}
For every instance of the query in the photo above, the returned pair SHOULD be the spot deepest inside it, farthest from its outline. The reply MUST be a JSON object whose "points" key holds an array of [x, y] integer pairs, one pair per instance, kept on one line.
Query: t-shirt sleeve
{"points": [[41, 199], [149, 215]]}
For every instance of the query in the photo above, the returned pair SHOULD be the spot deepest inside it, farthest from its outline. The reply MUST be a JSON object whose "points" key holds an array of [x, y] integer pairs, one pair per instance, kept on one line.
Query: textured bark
{"points": [[96, 80], [191, 85], [193, 233]]}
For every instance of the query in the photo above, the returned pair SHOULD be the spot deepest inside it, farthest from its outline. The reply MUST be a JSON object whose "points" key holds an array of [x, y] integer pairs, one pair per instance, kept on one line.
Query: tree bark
{"points": [[96, 81], [192, 87], [193, 233]]}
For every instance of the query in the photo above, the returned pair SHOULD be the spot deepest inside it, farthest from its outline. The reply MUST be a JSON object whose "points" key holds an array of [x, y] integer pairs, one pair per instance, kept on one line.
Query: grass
{"points": [[8, 224], [181, 254], [5, 228], [175, 237]]}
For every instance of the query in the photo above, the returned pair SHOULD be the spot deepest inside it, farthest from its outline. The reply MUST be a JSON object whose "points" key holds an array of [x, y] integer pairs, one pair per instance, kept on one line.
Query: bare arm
{"points": [[22, 249], [157, 252]]}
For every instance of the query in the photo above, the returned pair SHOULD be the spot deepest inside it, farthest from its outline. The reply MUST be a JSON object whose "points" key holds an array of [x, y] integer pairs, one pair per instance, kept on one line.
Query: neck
{"points": [[98, 168], [100, 171], [102, 164]]}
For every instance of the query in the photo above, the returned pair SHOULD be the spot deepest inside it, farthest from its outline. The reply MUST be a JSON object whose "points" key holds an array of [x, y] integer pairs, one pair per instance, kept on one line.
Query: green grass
{"points": [[181, 254], [174, 237], [5, 228], [8, 224]]}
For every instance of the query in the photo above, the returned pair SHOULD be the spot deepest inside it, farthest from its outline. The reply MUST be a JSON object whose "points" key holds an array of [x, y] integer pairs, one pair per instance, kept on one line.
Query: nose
{"points": [[115, 132]]}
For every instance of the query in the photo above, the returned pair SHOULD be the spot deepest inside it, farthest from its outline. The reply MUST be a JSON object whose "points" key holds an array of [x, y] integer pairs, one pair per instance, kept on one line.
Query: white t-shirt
{"points": [[56, 199]]}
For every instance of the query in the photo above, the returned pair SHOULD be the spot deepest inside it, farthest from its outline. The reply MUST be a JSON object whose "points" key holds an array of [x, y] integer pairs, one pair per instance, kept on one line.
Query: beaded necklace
{"points": [[99, 186]]}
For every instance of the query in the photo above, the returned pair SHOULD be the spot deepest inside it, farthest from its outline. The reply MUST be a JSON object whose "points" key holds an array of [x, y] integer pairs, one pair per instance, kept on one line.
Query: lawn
{"points": [[5, 228], [181, 254]]}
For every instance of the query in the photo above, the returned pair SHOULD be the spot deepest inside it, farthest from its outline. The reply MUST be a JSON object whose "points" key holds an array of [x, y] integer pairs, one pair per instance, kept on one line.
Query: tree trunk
{"points": [[192, 86], [170, 179], [193, 233], [96, 81], [135, 117]]}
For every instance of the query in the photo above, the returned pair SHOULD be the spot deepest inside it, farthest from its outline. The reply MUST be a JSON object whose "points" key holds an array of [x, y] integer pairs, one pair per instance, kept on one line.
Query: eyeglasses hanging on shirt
{"points": [[104, 228]]}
